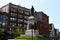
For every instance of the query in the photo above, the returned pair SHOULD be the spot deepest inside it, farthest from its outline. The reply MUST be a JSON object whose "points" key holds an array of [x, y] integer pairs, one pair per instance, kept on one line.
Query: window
{"points": [[3, 17], [12, 14], [13, 9], [21, 16], [20, 11], [20, 25], [26, 13], [39, 16], [3, 20], [20, 20], [26, 17], [13, 24], [3, 24], [12, 18], [25, 21]]}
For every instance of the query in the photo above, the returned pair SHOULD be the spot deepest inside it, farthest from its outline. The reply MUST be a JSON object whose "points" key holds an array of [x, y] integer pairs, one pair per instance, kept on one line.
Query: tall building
{"points": [[17, 16]]}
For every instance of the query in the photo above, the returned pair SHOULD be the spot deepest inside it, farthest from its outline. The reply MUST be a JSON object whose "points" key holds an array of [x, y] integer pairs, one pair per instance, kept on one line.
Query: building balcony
{"points": [[13, 16], [13, 21]]}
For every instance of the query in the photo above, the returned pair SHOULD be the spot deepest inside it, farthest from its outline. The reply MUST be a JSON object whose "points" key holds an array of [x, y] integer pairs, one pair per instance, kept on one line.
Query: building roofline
{"points": [[15, 5], [20, 6], [4, 5], [41, 13]]}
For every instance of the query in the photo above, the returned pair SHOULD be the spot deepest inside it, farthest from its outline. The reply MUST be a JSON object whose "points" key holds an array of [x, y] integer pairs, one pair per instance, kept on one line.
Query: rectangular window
{"points": [[25, 21], [3, 24], [13, 24], [39, 16], [19, 25], [26, 17], [12, 14], [26, 13], [13, 10], [21, 16], [20, 11], [20, 20], [12, 18], [3, 18]]}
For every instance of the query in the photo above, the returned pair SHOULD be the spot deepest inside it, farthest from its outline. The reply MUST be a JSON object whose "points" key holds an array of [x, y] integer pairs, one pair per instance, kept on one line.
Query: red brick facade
{"points": [[43, 25]]}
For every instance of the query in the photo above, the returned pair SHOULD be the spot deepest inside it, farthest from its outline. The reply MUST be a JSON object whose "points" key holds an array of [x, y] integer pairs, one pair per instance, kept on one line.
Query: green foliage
{"points": [[30, 38], [16, 32]]}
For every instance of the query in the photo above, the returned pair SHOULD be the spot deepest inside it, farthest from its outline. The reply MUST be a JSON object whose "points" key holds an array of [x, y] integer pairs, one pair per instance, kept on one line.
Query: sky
{"points": [[49, 7]]}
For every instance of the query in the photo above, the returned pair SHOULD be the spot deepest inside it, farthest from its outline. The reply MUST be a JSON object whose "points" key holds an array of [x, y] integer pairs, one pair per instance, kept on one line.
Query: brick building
{"points": [[42, 23]]}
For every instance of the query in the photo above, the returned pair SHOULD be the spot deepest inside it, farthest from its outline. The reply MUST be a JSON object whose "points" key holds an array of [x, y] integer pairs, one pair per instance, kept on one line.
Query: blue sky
{"points": [[50, 7]]}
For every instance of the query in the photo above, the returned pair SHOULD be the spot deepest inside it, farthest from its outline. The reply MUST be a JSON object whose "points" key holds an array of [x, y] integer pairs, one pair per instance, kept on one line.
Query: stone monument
{"points": [[31, 20], [30, 28]]}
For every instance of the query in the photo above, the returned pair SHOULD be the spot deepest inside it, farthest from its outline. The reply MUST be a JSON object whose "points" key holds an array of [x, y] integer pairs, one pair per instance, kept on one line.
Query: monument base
{"points": [[29, 32]]}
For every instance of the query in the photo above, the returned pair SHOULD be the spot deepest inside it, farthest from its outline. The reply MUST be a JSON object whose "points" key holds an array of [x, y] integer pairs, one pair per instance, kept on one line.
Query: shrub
{"points": [[16, 32]]}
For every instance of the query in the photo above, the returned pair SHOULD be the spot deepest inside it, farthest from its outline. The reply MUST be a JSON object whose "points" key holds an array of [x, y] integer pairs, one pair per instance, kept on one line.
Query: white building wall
{"points": [[5, 9], [52, 33], [52, 30], [57, 32]]}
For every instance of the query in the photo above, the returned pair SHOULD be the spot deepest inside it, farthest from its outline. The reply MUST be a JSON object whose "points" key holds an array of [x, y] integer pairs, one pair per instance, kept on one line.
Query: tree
{"points": [[16, 32]]}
